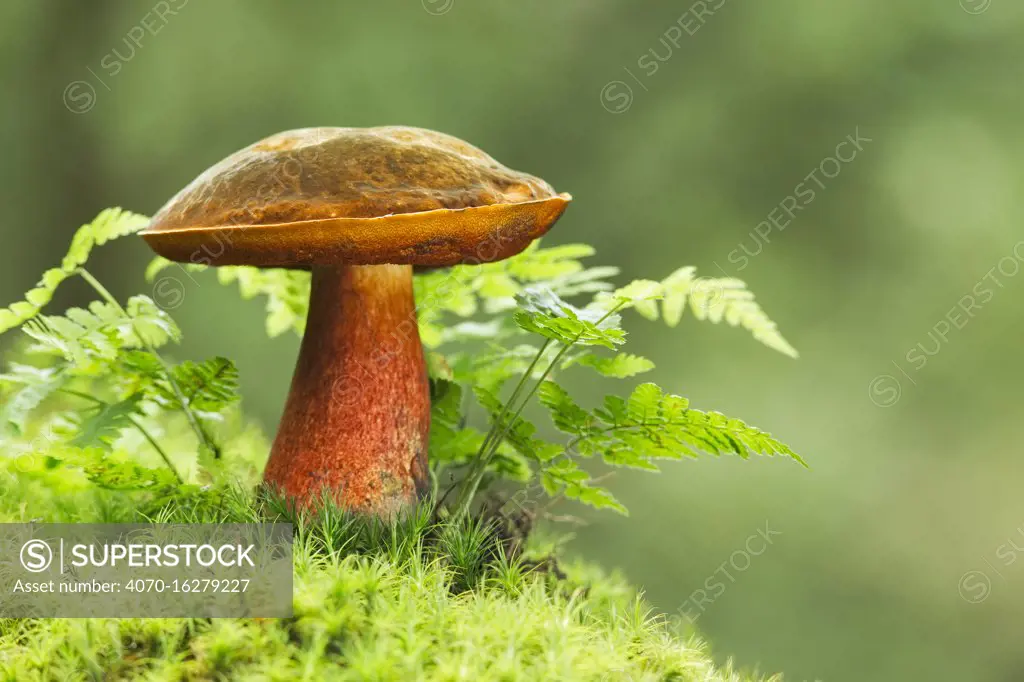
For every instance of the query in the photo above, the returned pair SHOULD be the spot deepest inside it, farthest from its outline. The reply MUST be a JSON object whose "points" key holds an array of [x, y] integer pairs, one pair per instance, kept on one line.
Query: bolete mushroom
{"points": [[360, 208]]}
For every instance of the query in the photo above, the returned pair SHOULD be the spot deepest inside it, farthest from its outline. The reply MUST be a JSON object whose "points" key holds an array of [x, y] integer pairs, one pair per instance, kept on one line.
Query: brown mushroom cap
{"points": [[361, 196]]}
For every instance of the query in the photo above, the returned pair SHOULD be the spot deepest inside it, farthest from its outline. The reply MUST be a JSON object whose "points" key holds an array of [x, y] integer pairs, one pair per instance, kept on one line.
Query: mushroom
{"points": [[359, 207]]}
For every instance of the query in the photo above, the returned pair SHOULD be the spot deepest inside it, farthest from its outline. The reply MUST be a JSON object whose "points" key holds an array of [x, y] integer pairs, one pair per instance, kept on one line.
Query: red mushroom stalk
{"points": [[358, 414]]}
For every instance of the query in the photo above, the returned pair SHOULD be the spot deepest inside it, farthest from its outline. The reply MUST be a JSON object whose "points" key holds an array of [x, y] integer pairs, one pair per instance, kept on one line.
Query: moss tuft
{"points": [[418, 600]]}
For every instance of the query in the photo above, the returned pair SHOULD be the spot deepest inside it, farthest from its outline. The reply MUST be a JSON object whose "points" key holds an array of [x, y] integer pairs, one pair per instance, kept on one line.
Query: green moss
{"points": [[418, 600]]}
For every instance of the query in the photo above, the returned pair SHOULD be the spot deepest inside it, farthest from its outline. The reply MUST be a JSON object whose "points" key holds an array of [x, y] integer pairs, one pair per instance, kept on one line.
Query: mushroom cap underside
{"points": [[323, 196]]}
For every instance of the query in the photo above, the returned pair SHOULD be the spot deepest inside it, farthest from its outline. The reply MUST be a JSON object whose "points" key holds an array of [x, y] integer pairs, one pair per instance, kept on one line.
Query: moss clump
{"points": [[417, 600]]}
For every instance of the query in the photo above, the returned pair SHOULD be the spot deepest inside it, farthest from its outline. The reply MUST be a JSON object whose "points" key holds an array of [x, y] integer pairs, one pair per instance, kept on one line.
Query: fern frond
{"points": [[621, 366], [536, 264], [32, 386], [519, 432], [463, 290], [651, 425], [209, 387], [159, 264], [491, 368], [108, 225], [111, 472], [104, 425], [151, 321], [565, 477], [542, 312], [713, 299], [721, 299], [640, 294], [90, 339], [287, 293], [450, 441], [453, 443]]}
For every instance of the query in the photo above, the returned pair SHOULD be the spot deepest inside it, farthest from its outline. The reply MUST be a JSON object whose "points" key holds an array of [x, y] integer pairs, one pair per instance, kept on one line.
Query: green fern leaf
{"points": [[564, 477], [620, 366], [492, 368], [519, 434], [103, 427], [106, 471], [641, 294], [451, 442], [651, 425], [32, 386], [587, 281], [463, 290], [566, 414], [596, 497], [91, 339], [209, 387], [720, 299], [109, 224], [536, 264], [151, 321], [287, 293], [88, 340], [542, 312], [155, 267]]}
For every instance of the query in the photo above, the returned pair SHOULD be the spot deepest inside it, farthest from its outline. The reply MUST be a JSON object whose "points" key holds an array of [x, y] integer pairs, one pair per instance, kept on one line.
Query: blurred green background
{"points": [[679, 129]]}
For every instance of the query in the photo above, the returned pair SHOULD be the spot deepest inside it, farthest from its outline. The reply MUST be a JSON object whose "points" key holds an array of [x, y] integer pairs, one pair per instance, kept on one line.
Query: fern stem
{"points": [[558, 356], [618, 427], [515, 394], [83, 396], [178, 394], [479, 465], [152, 441], [485, 456], [156, 446]]}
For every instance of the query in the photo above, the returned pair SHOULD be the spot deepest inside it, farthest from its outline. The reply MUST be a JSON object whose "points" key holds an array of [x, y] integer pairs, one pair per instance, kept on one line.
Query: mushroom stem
{"points": [[357, 417]]}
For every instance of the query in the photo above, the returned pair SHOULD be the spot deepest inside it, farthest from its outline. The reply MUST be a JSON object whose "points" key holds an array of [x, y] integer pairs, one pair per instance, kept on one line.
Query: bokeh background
{"points": [[679, 128]]}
